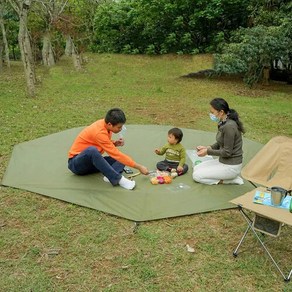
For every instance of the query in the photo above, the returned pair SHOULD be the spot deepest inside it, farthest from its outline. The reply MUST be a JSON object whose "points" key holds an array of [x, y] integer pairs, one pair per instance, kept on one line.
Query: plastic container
{"points": [[178, 187], [195, 159]]}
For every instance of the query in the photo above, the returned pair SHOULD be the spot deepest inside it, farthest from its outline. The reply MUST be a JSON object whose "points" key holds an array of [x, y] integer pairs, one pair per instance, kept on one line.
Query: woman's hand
{"points": [[201, 147], [202, 152]]}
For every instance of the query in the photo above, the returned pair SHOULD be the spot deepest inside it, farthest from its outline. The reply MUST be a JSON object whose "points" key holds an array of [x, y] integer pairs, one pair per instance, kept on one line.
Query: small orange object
{"points": [[167, 179]]}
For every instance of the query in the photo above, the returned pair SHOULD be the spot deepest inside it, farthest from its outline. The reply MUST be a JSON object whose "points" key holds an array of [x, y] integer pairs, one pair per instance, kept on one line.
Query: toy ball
{"points": [[154, 181], [174, 174], [167, 179]]}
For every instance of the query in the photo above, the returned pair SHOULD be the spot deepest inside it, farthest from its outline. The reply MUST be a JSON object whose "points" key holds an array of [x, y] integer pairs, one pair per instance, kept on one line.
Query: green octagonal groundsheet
{"points": [[40, 166]]}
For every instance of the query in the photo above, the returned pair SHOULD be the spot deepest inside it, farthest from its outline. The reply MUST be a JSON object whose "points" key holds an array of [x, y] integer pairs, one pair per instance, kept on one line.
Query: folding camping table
{"points": [[274, 215]]}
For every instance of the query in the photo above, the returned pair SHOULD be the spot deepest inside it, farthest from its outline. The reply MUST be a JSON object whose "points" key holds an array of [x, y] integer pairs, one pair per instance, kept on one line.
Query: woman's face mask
{"points": [[214, 118]]}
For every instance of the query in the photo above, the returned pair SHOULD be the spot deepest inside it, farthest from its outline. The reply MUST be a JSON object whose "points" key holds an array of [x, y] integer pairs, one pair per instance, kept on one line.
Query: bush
{"points": [[253, 49]]}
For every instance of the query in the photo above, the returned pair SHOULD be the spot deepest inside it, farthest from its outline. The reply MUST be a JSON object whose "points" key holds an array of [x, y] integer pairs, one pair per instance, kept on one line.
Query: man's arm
{"points": [[141, 168]]}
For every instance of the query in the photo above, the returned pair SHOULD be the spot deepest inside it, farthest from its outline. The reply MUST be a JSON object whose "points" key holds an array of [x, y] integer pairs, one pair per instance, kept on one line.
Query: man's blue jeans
{"points": [[91, 161]]}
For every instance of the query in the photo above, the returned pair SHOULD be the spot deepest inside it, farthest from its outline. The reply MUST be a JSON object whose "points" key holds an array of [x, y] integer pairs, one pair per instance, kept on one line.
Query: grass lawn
{"points": [[49, 245]]}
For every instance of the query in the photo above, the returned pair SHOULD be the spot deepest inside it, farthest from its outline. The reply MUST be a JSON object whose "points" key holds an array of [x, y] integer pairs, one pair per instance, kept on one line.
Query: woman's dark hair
{"points": [[115, 116], [177, 133], [221, 104]]}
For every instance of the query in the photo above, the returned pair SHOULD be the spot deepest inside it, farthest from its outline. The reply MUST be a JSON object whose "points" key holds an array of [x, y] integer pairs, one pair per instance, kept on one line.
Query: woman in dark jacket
{"points": [[228, 147]]}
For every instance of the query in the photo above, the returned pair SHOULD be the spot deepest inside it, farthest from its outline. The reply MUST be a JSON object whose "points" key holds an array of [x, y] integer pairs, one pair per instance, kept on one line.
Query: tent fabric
{"points": [[40, 166], [272, 165]]}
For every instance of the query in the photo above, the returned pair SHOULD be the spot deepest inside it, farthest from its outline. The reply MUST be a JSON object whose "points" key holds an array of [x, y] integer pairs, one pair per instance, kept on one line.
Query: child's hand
{"points": [[179, 169], [157, 151]]}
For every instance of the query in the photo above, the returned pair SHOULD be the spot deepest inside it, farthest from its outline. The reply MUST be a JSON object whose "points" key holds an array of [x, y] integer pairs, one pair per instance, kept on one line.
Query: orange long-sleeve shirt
{"points": [[98, 136]]}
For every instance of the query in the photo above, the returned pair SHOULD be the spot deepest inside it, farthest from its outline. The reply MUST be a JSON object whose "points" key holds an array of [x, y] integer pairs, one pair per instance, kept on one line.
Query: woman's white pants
{"points": [[210, 172]]}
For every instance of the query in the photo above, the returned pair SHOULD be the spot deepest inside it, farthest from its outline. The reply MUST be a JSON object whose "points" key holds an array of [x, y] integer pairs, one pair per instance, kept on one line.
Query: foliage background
{"points": [[246, 36], [159, 27]]}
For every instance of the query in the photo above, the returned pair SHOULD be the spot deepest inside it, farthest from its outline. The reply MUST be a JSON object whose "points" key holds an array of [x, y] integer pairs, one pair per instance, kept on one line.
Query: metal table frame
{"points": [[278, 215], [250, 227]]}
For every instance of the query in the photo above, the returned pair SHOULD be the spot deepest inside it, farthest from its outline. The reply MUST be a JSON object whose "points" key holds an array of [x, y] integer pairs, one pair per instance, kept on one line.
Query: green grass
{"points": [[100, 252]]}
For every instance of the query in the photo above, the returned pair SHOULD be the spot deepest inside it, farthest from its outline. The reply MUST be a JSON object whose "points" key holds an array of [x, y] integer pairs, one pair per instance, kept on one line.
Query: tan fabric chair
{"points": [[272, 165]]}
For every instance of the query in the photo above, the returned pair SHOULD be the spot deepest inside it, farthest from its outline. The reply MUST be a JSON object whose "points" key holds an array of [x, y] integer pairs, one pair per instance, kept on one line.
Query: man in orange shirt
{"points": [[85, 155]]}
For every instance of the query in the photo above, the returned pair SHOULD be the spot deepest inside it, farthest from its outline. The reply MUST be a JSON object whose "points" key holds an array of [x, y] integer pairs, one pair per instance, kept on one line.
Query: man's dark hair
{"points": [[115, 116], [177, 133]]}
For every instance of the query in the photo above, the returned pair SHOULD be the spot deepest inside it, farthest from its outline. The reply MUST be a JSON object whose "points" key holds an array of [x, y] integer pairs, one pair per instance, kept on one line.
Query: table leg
{"points": [[250, 227]]}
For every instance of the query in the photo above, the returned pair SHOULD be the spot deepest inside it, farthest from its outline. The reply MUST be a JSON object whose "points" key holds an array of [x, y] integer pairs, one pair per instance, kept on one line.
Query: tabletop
{"points": [[277, 214]]}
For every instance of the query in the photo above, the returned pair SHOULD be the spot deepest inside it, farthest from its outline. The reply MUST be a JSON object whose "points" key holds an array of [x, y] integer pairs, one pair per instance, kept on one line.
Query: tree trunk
{"points": [[266, 75], [47, 51], [76, 57], [77, 61], [5, 42], [68, 48], [26, 52], [1, 61]]}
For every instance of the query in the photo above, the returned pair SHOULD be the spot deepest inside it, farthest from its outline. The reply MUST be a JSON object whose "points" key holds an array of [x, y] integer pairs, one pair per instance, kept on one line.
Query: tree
{"points": [[68, 25], [75, 23], [3, 30], [49, 11], [22, 8]]}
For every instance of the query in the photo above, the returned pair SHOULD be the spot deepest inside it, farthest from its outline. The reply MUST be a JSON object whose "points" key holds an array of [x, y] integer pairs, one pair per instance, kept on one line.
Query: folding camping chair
{"points": [[271, 166]]}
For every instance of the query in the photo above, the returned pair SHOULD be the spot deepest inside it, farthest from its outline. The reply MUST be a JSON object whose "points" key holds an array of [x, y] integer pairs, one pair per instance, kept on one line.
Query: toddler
{"points": [[175, 153]]}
